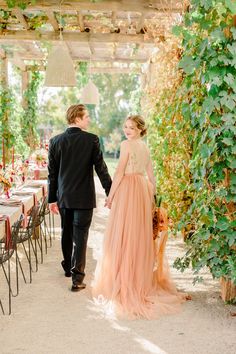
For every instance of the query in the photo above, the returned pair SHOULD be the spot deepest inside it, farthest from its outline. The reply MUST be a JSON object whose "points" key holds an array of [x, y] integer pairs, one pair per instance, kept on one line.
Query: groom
{"points": [[71, 190]]}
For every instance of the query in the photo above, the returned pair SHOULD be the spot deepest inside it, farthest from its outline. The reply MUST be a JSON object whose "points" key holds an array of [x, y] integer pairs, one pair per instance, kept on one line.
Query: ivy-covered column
{"points": [[208, 93], [30, 84], [5, 108]]}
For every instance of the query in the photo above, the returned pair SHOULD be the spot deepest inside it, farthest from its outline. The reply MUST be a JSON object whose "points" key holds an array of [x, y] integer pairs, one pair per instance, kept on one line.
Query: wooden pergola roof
{"points": [[102, 31]]}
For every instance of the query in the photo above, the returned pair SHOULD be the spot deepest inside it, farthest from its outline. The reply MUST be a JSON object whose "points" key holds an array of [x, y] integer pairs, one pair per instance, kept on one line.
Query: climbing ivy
{"points": [[208, 93], [6, 109], [29, 118], [19, 3]]}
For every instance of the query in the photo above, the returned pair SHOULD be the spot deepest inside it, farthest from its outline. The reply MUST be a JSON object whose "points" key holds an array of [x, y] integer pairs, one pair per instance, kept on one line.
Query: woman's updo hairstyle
{"points": [[139, 121]]}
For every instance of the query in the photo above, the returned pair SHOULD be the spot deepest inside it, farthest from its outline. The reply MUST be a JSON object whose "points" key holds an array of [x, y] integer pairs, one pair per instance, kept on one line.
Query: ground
{"points": [[48, 318]]}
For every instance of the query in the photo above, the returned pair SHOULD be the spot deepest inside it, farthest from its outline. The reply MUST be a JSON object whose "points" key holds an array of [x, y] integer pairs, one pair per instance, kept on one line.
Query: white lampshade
{"points": [[60, 70], [90, 94]]}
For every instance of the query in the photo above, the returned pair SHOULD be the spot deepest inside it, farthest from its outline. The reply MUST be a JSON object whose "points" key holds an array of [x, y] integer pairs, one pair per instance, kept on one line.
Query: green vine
{"points": [[208, 94], [6, 109], [21, 4], [29, 119]]}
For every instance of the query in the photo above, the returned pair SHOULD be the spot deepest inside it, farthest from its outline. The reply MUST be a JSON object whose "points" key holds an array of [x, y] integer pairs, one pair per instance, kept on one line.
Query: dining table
{"points": [[21, 200]]}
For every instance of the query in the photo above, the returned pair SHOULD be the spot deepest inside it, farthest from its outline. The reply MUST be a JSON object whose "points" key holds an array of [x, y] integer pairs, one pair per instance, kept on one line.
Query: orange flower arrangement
{"points": [[159, 219]]}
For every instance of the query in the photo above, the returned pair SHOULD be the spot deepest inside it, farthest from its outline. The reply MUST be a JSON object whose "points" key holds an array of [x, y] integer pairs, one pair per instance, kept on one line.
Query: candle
{"points": [[13, 157], [3, 154]]}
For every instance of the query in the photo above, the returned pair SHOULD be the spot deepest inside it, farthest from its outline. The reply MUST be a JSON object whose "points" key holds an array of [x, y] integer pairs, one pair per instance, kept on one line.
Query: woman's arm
{"points": [[120, 171], [151, 176]]}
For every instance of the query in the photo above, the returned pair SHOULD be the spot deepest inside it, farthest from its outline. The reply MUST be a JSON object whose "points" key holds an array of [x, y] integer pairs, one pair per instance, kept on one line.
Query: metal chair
{"points": [[26, 235], [7, 249]]}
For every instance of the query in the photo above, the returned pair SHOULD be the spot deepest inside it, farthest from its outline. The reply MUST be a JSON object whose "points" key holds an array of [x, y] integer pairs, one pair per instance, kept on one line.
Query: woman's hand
{"points": [[108, 203], [53, 207]]}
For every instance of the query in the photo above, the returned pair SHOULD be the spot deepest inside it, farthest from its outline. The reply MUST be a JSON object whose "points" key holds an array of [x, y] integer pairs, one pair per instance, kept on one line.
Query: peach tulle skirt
{"points": [[132, 278]]}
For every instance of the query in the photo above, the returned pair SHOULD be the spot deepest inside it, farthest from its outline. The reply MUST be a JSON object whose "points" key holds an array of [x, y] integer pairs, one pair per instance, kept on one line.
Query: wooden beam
{"points": [[80, 20], [74, 37], [114, 70], [24, 86], [2, 53], [140, 23], [17, 61], [113, 18], [42, 58], [91, 48], [20, 17], [101, 6], [37, 67], [52, 19], [114, 50], [93, 70]]}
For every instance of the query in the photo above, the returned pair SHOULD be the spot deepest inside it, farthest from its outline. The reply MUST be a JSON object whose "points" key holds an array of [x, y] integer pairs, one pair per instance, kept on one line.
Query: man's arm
{"points": [[101, 167], [53, 168]]}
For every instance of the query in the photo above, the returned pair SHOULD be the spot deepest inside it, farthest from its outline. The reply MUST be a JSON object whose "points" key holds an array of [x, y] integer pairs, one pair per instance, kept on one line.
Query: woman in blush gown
{"points": [[132, 277]]}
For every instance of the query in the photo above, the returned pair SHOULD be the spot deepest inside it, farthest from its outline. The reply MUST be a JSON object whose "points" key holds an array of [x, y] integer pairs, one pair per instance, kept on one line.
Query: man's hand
{"points": [[54, 208], [108, 203]]}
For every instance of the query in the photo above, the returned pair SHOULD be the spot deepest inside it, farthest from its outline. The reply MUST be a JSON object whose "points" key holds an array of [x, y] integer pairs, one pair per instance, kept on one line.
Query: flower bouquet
{"points": [[159, 219], [5, 183], [40, 157]]}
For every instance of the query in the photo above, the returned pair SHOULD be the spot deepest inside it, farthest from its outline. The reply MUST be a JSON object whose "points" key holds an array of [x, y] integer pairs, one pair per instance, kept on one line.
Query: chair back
{"points": [[7, 252]]}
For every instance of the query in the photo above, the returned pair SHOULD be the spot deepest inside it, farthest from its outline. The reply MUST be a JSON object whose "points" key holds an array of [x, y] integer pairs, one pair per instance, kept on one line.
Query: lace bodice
{"points": [[138, 157]]}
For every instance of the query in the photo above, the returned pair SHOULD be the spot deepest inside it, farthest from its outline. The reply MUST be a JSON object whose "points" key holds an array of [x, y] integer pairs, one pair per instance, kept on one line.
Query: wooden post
{"points": [[24, 86], [228, 290], [4, 83]]}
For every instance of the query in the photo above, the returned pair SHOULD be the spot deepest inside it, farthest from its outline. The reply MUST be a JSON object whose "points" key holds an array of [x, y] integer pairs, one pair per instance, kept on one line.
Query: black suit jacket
{"points": [[72, 158]]}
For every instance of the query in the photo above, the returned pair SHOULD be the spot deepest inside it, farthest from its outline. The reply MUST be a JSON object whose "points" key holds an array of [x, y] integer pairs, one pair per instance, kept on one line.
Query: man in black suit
{"points": [[71, 191]]}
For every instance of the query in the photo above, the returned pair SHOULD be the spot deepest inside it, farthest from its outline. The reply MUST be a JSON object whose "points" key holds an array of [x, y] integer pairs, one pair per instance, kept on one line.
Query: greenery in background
{"points": [[10, 116], [6, 110], [119, 96], [20, 3], [168, 135], [29, 120], [111, 165], [208, 93]]}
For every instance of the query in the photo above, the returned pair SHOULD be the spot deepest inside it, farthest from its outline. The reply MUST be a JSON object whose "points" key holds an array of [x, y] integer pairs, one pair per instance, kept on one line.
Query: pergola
{"points": [[110, 35], [107, 32]]}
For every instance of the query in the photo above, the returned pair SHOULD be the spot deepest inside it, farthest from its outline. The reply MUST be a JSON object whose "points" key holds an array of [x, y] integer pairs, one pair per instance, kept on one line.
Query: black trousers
{"points": [[75, 225]]}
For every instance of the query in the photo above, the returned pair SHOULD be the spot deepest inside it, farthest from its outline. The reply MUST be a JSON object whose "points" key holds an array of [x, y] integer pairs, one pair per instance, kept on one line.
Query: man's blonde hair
{"points": [[75, 111]]}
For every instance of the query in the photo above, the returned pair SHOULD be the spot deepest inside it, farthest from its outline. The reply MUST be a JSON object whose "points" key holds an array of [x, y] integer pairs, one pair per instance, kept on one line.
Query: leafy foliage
{"points": [[168, 134], [10, 116], [6, 109], [20, 3], [29, 118], [208, 93], [119, 96]]}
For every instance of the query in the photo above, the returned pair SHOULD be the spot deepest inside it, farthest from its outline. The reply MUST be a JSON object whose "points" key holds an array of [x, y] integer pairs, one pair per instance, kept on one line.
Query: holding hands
{"points": [[53, 207], [108, 203]]}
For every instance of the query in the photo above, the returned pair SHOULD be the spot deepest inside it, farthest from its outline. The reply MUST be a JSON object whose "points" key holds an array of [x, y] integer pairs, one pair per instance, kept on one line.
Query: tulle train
{"points": [[132, 277]]}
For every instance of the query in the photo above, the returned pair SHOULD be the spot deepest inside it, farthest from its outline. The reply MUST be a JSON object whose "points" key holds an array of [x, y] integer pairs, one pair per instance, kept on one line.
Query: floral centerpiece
{"points": [[5, 181], [40, 157]]}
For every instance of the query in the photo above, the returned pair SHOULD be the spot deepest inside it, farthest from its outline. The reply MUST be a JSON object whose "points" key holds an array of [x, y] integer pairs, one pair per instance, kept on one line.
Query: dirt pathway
{"points": [[48, 318]]}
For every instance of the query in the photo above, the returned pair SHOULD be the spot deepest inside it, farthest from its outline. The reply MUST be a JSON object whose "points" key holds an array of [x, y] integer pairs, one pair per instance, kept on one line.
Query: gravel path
{"points": [[48, 318]]}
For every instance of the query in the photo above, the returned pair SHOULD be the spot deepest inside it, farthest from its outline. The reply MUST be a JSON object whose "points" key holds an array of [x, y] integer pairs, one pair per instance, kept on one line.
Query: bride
{"points": [[132, 276]]}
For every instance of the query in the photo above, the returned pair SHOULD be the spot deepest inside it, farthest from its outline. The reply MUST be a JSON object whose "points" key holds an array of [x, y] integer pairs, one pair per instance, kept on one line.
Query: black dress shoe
{"points": [[67, 272], [78, 287]]}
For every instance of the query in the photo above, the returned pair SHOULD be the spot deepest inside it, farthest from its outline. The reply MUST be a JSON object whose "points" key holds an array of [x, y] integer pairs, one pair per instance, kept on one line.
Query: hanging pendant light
{"points": [[60, 70], [90, 94]]}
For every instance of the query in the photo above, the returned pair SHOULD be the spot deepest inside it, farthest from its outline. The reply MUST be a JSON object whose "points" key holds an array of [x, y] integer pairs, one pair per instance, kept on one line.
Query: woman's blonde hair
{"points": [[140, 122], [75, 111]]}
